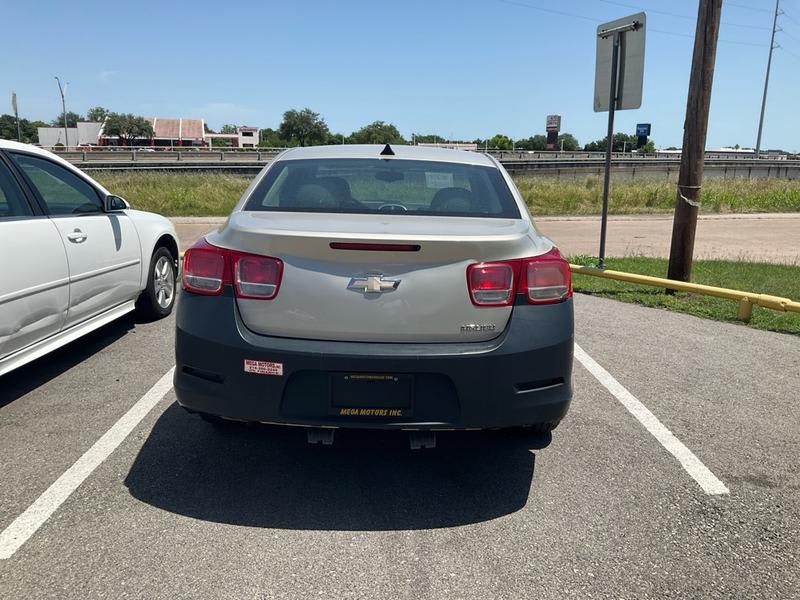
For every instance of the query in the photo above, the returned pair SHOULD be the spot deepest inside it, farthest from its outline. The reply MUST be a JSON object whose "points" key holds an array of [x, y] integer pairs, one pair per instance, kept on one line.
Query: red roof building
{"points": [[167, 132]]}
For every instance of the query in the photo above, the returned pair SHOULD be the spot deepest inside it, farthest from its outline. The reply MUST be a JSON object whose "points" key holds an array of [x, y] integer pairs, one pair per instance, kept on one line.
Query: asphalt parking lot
{"points": [[610, 507]]}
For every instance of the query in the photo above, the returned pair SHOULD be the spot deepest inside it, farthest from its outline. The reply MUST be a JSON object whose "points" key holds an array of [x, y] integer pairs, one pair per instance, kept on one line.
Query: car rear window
{"points": [[370, 185]]}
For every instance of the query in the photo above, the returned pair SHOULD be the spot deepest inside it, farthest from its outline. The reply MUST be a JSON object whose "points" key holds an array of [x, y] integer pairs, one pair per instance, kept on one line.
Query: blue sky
{"points": [[460, 68]]}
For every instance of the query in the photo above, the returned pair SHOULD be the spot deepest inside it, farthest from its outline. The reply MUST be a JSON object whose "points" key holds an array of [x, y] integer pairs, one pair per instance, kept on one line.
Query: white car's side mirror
{"points": [[113, 203]]}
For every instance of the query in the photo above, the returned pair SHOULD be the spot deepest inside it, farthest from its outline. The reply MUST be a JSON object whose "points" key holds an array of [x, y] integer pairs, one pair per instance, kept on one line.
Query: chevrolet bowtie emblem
{"points": [[372, 284]]}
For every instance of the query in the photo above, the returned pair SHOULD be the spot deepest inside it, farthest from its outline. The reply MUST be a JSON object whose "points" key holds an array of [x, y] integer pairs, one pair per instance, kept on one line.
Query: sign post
{"points": [[16, 114], [618, 79]]}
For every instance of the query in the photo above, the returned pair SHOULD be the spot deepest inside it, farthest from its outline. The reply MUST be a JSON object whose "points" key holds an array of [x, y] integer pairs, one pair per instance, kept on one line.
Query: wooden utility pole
{"points": [[695, 128]]}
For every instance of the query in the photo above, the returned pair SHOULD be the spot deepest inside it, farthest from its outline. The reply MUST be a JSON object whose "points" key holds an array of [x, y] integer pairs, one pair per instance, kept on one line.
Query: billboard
{"points": [[553, 123], [643, 130]]}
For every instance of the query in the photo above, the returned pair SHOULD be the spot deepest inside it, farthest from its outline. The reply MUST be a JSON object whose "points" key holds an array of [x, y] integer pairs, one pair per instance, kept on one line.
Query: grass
{"points": [[778, 280], [214, 194], [177, 194], [554, 197]]}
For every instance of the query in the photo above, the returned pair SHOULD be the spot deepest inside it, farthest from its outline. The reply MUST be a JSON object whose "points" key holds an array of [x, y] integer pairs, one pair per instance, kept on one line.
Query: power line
{"points": [[764, 10], [552, 11], [721, 41], [789, 52], [789, 35], [678, 16], [593, 20], [788, 16]]}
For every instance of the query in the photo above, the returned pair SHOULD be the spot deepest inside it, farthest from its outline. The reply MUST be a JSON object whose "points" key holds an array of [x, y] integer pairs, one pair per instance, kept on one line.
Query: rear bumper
{"points": [[522, 377]]}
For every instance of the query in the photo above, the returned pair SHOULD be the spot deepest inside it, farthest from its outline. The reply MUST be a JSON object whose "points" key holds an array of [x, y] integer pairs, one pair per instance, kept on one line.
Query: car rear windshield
{"points": [[370, 185]]}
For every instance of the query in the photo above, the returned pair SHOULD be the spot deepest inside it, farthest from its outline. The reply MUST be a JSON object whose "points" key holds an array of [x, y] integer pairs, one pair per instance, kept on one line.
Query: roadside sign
{"points": [[553, 123], [14, 101], [629, 32], [643, 130], [618, 78]]}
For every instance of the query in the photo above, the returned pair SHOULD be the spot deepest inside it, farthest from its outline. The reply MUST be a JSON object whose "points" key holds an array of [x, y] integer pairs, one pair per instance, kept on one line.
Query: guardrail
{"points": [[746, 300], [499, 154], [252, 160]]}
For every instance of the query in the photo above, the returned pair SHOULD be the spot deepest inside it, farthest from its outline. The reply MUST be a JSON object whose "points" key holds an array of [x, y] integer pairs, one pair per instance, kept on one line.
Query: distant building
{"points": [[166, 132], [248, 137], [450, 145], [86, 133], [727, 153], [243, 137]]}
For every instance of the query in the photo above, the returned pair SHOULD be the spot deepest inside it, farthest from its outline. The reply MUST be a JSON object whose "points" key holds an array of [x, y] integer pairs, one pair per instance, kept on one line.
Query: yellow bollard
{"points": [[745, 310]]}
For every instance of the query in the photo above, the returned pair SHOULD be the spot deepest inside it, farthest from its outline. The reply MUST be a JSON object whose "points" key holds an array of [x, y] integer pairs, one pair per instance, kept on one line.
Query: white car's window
{"points": [[373, 185], [12, 202], [63, 192]]}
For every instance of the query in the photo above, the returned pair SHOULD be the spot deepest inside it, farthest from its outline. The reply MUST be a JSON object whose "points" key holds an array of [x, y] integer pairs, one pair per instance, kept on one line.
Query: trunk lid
{"points": [[332, 294]]}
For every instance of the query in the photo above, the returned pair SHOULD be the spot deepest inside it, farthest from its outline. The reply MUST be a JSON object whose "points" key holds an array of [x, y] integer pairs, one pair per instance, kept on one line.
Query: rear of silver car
{"points": [[356, 289]]}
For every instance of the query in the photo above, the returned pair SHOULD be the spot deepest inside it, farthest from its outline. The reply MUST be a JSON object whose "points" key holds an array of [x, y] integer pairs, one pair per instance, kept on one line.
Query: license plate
{"points": [[371, 395]]}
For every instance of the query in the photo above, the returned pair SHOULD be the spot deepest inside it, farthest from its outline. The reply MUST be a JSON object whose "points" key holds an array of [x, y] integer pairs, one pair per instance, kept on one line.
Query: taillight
{"points": [[546, 278], [543, 279], [491, 284], [207, 268], [257, 277], [204, 269]]}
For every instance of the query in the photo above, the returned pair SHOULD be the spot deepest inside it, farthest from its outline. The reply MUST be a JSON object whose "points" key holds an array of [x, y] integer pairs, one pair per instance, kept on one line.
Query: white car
{"points": [[73, 256]]}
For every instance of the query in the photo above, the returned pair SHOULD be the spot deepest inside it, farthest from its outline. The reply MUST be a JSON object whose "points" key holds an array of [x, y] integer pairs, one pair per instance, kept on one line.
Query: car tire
{"points": [[158, 298]]}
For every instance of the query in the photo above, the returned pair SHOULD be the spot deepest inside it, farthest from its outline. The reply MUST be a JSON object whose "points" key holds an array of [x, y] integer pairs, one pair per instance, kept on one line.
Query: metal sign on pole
{"points": [[618, 83]]}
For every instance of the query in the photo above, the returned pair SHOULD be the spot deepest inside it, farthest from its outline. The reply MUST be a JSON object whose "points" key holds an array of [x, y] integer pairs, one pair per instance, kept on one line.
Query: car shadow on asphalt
{"points": [[367, 481], [25, 379]]}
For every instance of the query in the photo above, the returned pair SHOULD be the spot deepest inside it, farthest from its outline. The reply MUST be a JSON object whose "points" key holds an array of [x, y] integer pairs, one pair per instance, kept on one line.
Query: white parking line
{"points": [[26, 524], [698, 471]]}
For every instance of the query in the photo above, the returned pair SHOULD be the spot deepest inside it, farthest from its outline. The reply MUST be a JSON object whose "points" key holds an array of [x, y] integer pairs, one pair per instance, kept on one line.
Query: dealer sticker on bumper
{"points": [[263, 367]]}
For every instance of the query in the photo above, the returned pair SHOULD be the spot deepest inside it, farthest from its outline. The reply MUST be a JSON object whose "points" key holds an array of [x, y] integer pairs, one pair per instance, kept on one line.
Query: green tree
{"points": [[378, 132], [229, 128], [570, 142], [97, 114], [648, 148], [28, 129], [621, 140], [500, 142], [72, 119], [303, 127], [427, 138], [269, 138], [127, 128], [536, 142], [338, 138]]}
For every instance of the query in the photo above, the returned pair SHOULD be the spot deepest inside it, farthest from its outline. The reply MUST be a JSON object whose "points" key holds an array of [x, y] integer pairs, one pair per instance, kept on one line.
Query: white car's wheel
{"points": [[158, 298]]}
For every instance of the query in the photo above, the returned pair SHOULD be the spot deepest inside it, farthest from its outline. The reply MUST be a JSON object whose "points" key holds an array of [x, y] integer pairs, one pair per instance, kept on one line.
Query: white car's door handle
{"points": [[76, 237]]}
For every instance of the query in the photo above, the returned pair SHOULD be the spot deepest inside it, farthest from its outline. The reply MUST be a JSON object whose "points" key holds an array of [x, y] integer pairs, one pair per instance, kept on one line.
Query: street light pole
{"points": [[63, 91]]}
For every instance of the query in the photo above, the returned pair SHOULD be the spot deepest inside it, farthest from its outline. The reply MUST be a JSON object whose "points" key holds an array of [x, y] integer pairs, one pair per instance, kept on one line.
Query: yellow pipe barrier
{"points": [[746, 300]]}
